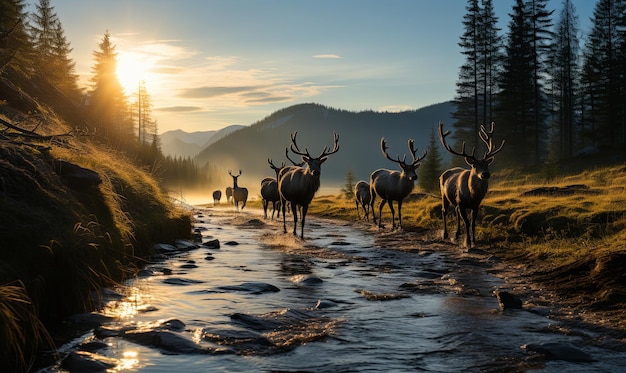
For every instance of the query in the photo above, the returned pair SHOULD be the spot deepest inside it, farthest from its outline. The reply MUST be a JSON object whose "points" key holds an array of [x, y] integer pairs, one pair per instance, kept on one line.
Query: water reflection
{"points": [[337, 303]]}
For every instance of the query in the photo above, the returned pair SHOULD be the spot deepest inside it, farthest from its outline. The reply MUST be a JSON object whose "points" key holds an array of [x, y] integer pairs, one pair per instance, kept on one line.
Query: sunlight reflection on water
{"points": [[367, 321]]}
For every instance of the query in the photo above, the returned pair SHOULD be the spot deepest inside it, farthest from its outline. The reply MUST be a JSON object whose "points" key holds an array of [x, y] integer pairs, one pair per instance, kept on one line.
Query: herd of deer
{"points": [[295, 185]]}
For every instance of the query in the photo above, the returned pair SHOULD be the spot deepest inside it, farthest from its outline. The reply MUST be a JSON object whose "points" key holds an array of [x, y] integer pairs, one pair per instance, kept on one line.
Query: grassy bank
{"points": [[60, 243]]}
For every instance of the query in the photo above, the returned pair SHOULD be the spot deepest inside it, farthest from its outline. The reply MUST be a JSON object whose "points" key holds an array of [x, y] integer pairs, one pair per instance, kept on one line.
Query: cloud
{"points": [[395, 108], [327, 56], [208, 92], [179, 109]]}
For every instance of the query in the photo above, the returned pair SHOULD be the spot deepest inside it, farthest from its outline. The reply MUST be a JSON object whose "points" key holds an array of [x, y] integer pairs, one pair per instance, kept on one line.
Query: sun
{"points": [[131, 69]]}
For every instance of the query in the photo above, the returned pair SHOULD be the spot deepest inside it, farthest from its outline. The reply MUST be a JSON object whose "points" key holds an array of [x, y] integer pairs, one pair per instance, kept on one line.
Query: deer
{"points": [[269, 186], [239, 194], [362, 198], [465, 188], [393, 185], [269, 190], [298, 185], [229, 194], [217, 195]]}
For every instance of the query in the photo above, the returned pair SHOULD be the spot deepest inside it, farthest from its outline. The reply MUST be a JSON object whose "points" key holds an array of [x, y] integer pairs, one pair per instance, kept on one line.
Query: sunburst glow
{"points": [[131, 69]]}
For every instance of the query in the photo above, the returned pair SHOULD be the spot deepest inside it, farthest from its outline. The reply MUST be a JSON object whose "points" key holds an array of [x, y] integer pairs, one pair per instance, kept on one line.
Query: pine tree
{"points": [[603, 80], [477, 83], [108, 106], [431, 167], [516, 98], [348, 188], [564, 82], [15, 46], [52, 50]]}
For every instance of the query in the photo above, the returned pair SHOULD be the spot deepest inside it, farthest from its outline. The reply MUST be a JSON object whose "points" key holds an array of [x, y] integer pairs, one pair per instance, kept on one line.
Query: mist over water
{"points": [[336, 302]]}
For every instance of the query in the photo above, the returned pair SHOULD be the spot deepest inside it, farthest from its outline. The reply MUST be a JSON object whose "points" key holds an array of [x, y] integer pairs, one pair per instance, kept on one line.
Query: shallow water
{"points": [[336, 302]]}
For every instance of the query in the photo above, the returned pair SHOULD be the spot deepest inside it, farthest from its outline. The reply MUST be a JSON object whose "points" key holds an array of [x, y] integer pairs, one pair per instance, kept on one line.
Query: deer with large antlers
{"points": [[269, 187], [465, 188], [239, 194], [392, 185], [299, 184]]}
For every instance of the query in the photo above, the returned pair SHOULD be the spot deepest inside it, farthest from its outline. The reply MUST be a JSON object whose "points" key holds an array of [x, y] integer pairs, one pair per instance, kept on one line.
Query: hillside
{"points": [[359, 139], [178, 143]]}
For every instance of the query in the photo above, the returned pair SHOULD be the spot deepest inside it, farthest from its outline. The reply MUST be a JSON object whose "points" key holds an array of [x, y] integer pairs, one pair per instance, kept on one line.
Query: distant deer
{"points": [[217, 195], [239, 194], [229, 194], [299, 184], [465, 189], [362, 198], [269, 190], [393, 185]]}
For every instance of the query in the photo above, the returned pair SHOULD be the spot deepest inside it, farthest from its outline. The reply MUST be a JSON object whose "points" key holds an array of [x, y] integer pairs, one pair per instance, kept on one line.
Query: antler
{"points": [[232, 174], [411, 144], [442, 137], [414, 150], [282, 165], [486, 137], [291, 160], [325, 152]]}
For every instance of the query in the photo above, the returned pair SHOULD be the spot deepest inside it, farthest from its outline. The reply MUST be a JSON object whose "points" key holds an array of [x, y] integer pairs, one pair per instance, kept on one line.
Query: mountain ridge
{"points": [[359, 133]]}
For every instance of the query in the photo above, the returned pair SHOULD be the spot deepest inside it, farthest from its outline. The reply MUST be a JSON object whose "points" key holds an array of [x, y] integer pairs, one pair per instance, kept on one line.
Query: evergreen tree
{"points": [[477, 83], [516, 98], [52, 50], [564, 77], [431, 167], [15, 46], [108, 106], [541, 36], [603, 75], [348, 188]]}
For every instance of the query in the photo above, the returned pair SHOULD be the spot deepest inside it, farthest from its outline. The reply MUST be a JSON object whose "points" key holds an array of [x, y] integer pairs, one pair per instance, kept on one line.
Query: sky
{"points": [[208, 64]]}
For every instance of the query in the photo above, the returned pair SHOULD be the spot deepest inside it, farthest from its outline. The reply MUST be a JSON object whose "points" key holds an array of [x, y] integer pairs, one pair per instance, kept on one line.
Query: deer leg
{"points": [[380, 212], [372, 207], [357, 210], [265, 205], [400, 214], [444, 212], [474, 213], [284, 204], [305, 208], [463, 214], [294, 210], [457, 212]]}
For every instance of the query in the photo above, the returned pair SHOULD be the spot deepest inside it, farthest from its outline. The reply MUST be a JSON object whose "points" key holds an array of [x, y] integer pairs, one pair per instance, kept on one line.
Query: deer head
{"points": [[480, 166], [407, 168], [315, 164]]}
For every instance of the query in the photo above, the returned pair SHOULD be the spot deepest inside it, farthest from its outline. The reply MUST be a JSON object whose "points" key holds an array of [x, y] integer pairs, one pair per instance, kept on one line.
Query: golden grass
{"points": [[588, 217]]}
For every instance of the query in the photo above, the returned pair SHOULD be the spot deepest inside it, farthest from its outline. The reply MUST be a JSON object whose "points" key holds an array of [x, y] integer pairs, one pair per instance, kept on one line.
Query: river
{"points": [[265, 301]]}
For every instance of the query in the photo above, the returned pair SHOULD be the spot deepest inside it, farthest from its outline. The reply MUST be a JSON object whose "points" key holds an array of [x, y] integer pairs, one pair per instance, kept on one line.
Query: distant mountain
{"points": [[359, 139], [189, 144]]}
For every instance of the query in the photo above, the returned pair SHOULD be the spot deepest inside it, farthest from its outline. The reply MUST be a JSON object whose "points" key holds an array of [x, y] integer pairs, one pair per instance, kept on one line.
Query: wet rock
{"points": [[231, 243], [559, 351], [88, 320], [212, 244], [184, 245], [82, 361], [164, 248], [251, 287], [209, 257], [340, 243], [381, 296], [92, 346], [181, 281], [507, 301], [324, 303], [307, 280]]}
